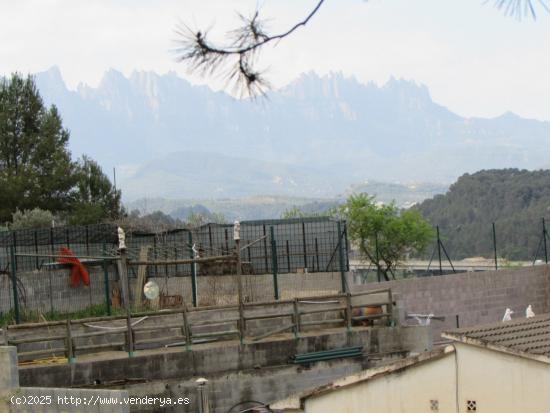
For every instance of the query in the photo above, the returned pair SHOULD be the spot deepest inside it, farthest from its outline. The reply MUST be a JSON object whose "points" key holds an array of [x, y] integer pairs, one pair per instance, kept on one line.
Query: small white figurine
{"points": [[237, 230], [507, 315], [529, 313], [121, 239]]}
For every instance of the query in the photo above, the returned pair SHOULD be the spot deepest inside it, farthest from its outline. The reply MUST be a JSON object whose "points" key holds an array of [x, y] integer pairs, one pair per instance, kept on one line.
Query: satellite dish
{"points": [[151, 290]]}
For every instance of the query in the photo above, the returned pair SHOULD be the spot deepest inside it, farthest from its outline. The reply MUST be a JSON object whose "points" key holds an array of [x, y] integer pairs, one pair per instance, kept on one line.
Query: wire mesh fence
{"points": [[486, 247], [279, 258]]}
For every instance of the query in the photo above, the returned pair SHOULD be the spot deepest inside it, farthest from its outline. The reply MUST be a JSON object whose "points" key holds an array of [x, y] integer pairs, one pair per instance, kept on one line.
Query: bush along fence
{"points": [[277, 259]]}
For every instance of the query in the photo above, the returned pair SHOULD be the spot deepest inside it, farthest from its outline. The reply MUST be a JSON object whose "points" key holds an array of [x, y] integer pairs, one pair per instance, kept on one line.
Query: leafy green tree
{"points": [[96, 199], [36, 170], [383, 233], [31, 218]]}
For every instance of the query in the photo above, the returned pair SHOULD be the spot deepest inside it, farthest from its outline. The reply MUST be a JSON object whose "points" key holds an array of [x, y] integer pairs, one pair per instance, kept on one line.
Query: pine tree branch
{"points": [[207, 59]]}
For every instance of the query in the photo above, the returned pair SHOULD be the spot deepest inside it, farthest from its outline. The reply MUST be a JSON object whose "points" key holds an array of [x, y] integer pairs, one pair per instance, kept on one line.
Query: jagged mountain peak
{"points": [[52, 76], [346, 129]]}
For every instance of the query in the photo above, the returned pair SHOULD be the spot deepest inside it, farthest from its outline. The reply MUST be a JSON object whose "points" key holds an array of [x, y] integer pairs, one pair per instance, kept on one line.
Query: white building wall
{"points": [[500, 382], [407, 391]]}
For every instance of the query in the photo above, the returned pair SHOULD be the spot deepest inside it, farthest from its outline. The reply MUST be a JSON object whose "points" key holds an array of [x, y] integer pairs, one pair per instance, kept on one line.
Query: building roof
{"points": [[527, 337]]}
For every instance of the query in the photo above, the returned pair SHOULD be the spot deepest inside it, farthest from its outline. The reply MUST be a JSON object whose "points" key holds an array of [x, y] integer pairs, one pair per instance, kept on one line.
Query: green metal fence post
{"points": [[439, 250], [274, 264], [193, 270], [341, 255], [495, 246], [13, 272], [377, 257], [544, 235], [107, 287]]}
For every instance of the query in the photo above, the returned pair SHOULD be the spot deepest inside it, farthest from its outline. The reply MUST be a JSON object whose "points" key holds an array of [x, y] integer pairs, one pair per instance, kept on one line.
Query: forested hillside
{"points": [[515, 200]]}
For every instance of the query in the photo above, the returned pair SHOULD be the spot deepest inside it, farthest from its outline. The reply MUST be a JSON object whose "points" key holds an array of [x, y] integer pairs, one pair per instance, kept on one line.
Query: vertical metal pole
{"points": [[377, 258], [14, 285], [439, 251], [51, 291], [237, 239], [87, 241], [107, 287], [495, 246], [239, 270], [15, 250], [317, 255], [36, 249], [544, 235], [304, 243], [193, 270], [265, 249], [346, 244], [51, 242], [288, 256], [274, 263], [155, 269], [341, 256]]}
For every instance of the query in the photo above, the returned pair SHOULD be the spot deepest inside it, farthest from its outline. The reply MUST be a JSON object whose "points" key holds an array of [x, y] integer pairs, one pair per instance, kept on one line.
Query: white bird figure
{"points": [[529, 312], [428, 319], [507, 315]]}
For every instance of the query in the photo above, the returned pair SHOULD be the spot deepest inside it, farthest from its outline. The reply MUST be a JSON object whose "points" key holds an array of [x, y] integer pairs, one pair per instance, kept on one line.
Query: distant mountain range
{"points": [[267, 207], [315, 137]]}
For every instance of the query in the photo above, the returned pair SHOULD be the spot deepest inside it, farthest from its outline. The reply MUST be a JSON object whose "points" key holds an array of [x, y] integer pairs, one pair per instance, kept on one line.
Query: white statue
{"points": [[529, 313], [121, 239], [507, 315]]}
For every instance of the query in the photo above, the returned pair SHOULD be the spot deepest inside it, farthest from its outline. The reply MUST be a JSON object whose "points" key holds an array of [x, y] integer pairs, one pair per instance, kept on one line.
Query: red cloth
{"points": [[78, 270]]}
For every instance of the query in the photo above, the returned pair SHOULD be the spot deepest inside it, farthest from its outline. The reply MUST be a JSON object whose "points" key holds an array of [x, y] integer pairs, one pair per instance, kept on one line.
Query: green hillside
{"points": [[515, 200]]}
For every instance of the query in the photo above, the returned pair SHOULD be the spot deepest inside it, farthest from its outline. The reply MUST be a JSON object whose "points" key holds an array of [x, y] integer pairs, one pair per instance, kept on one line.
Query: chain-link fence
{"points": [[469, 249], [279, 259]]}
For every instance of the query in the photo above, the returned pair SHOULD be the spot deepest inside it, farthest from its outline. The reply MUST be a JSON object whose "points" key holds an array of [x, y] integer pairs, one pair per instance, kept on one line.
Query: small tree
{"points": [[383, 233], [96, 199]]}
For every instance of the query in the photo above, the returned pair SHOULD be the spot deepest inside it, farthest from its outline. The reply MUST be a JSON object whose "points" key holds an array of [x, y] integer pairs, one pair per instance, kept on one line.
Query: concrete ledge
{"points": [[215, 358]]}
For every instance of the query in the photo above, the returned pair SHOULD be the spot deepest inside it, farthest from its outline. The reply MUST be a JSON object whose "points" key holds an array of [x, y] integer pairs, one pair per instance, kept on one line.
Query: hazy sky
{"points": [[475, 61]]}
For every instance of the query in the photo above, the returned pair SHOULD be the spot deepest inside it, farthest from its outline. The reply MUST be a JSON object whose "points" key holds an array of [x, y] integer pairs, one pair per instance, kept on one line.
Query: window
{"points": [[471, 406], [434, 405]]}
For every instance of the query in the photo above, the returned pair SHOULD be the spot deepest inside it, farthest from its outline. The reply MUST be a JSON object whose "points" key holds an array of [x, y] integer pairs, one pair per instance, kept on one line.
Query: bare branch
{"points": [[235, 61]]}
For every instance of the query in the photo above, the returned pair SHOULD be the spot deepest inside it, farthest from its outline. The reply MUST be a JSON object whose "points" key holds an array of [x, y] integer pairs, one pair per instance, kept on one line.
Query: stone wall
{"points": [[475, 297]]}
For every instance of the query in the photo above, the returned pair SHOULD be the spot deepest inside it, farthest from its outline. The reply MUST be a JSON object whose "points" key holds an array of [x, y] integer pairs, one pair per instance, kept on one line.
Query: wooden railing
{"points": [[66, 337]]}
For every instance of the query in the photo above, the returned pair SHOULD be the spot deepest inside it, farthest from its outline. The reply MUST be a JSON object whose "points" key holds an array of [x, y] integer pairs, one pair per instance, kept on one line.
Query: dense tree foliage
{"points": [[515, 200], [384, 234], [37, 175], [36, 170], [96, 199]]}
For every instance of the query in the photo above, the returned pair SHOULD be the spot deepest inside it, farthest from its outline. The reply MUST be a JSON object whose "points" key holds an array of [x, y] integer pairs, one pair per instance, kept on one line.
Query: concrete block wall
{"points": [[48, 290], [52, 400], [476, 297]]}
